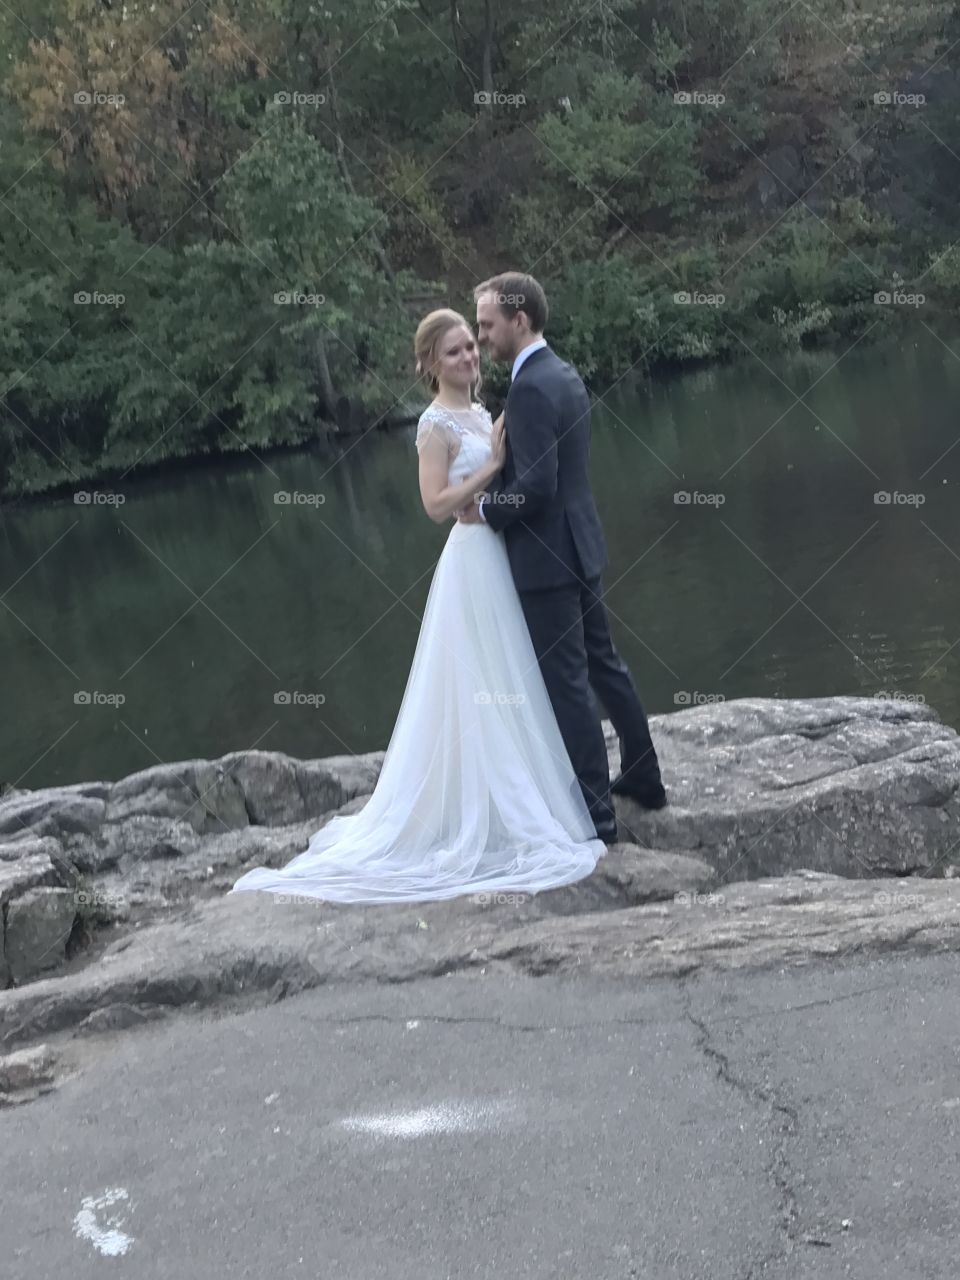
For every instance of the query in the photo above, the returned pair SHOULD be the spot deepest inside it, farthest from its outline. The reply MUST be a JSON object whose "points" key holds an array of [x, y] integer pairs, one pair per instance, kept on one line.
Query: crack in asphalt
{"points": [[778, 1168]]}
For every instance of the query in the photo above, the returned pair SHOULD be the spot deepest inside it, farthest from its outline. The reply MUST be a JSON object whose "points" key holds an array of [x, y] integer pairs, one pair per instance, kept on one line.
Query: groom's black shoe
{"points": [[608, 832], [650, 795]]}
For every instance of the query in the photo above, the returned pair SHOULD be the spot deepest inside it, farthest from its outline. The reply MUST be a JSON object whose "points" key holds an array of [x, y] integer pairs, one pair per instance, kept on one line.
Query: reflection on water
{"points": [[748, 557]]}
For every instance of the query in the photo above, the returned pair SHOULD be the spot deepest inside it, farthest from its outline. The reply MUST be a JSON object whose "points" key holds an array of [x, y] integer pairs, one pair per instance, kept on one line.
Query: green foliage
{"points": [[606, 163]]}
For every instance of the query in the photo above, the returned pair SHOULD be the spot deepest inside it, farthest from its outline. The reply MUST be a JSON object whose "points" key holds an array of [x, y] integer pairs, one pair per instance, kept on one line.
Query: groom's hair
{"points": [[515, 291]]}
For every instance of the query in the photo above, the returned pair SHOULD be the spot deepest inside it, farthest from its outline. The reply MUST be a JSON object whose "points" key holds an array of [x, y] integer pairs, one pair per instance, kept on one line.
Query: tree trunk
{"points": [[328, 395], [458, 46], [486, 68]]}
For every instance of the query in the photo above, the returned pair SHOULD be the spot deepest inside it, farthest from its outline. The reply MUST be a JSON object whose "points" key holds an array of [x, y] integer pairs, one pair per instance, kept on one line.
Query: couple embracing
{"points": [[495, 777]]}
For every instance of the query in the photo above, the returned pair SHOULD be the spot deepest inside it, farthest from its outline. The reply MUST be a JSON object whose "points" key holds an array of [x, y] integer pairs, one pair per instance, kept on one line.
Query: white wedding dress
{"points": [[476, 794]]}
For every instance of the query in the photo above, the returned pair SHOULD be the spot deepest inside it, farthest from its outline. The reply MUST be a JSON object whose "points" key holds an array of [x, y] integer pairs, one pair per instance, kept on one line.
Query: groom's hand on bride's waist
{"points": [[471, 513]]}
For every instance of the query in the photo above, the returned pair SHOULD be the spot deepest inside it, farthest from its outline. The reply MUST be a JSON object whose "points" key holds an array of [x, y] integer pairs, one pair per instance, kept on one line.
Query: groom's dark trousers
{"points": [[545, 508]]}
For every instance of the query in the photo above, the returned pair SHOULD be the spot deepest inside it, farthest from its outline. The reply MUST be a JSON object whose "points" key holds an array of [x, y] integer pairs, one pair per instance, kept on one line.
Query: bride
{"points": [[476, 793]]}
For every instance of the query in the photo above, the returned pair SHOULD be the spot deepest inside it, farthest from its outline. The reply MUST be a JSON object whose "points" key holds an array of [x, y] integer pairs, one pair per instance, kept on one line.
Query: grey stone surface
{"points": [[199, 792], [32, 870], [862, 787], [28, 844], [17, 877], [26, 1073], [257, 946], [53, 811], [38, 924]]}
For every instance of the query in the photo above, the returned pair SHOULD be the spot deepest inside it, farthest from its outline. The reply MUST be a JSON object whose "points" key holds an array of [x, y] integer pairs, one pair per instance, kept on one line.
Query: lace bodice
{"points": [[466, 433]]}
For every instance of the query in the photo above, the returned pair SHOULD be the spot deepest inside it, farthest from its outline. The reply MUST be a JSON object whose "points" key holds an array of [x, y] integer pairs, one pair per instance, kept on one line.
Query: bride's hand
{"points": [[498, 443]]}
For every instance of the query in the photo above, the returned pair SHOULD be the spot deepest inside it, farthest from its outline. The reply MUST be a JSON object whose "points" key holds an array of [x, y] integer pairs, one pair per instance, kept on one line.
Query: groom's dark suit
{"points": [[543, 504]]}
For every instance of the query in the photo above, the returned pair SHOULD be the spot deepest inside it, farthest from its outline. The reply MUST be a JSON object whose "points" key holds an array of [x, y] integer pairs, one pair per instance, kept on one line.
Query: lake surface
{"points": [[200, 598]]}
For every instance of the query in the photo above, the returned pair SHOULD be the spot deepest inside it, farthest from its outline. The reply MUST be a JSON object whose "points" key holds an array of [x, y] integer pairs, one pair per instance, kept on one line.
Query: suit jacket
{"points": [[542, 500]]}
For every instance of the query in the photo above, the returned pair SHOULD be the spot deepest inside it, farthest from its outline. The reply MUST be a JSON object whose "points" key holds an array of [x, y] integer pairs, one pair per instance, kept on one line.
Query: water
{"points": [[200, 598]]}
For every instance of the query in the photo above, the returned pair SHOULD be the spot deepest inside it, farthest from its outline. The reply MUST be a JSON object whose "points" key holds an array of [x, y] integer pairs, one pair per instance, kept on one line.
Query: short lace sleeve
{"points": [[434, 422]]}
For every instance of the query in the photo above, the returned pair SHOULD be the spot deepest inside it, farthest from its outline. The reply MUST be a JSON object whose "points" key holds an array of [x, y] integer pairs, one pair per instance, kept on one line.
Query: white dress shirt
{"points": [[521, 356]]}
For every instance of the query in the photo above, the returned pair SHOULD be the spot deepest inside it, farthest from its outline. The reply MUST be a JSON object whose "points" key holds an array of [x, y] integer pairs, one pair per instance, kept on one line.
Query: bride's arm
{"points": [[442, 500]]}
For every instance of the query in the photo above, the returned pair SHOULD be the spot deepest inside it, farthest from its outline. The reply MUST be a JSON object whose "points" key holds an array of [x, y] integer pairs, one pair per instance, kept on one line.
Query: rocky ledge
{"points": [[112, 895]]}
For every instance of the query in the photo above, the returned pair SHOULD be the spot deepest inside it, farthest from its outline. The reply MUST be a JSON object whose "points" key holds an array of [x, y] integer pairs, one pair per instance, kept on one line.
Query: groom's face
{"points": [[498, 334]]}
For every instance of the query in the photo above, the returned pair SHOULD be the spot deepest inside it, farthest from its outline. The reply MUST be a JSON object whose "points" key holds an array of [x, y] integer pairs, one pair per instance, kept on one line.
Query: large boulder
{"points": [[200, 792], [31, 871], [862, 787], [53, 811], [280, 790], [38, 925]]}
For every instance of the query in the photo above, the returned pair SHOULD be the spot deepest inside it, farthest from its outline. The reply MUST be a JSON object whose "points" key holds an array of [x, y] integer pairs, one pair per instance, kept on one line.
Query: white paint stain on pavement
{"points": [[99, 1222], [427, 1121]]}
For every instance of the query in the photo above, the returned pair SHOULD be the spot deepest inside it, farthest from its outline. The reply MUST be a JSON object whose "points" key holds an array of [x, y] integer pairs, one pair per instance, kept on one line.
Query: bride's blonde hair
{"points": [[431, 329]]}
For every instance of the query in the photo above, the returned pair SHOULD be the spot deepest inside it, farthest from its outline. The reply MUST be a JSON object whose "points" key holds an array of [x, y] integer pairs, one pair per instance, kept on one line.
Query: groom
{"points": [[543, 504]]}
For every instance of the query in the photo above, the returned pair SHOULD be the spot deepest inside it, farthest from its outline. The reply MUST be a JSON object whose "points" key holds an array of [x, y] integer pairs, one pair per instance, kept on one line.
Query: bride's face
{"points": [[458, 359]]}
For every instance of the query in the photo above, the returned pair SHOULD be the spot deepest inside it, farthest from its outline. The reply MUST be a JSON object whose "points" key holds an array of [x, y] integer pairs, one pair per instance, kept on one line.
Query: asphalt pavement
{"points": [[799, 1124]]}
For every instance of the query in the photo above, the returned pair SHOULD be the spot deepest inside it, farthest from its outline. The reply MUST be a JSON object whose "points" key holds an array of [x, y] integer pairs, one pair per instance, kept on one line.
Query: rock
{"points": [[628, 876], [243, 788], [280, 790], [860, 787], [17, 877], [38, 924], [199, 792], [249, 946], [141, 836], [29, 845], [268, 781], [117, 1017], [357, 775], [26, 1073], [345, 811], [53, 811]]}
